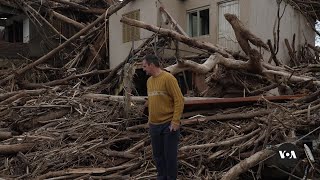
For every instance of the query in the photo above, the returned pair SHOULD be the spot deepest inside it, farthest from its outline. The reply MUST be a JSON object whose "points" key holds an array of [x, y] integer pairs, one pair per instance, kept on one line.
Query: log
{"points": [[67, 19], [308, 110], [99, 50], [139, 99], [71, 4], [129, 72], [5, 135], [115, 70], [8, 3], [76, 59], [104, 97], [113, 176], [51, 115], [63, 45], [43, 19], [254, 62], [171, 20], [119, 154], [13, 98], [247, 163], [243, 35], [4, 96], [273, 54], [94, 58], [290, 77], [15, 148], [193, 66], [92, 10], [27, 125], [221, 143], [83, 171], [315, 48], [208, 65], [223, 117], [291, 52], [136, 147], [253, 65], [308, 98], [63, 81], [186, 40]]}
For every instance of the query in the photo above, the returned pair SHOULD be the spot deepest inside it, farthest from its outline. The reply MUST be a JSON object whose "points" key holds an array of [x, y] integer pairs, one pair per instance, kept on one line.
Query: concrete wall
{"points": [[119, 50], [261, 22]]}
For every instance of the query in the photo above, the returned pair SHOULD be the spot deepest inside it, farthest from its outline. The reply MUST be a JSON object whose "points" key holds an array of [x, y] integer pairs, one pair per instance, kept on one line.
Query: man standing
{"points": [[165, 104]]}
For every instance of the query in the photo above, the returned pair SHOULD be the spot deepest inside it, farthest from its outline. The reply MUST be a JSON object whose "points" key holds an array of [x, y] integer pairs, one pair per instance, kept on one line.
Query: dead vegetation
{"points": [[66, 115]]}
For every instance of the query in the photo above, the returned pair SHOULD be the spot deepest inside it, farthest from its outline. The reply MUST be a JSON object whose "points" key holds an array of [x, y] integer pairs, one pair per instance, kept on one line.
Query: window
{"points": [[15, 32], [131, 33], [198, 22]]}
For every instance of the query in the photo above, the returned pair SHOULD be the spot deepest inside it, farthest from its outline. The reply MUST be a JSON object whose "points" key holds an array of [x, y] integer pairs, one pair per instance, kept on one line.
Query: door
{"points": [[226, 36]]}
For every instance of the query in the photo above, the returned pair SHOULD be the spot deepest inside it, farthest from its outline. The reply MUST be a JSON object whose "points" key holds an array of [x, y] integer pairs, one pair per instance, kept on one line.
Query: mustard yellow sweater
{"points": [[165, 100]]}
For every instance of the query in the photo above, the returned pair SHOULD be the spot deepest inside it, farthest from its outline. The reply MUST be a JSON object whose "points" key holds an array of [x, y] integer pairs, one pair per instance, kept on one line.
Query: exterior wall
{"points": [[119, 50], [257, 15], [261, 22], [176, 9], [192, 5]]}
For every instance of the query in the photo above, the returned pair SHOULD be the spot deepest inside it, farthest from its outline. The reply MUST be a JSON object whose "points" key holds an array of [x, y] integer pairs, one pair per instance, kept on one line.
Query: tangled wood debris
{"points": [[66, 115]]}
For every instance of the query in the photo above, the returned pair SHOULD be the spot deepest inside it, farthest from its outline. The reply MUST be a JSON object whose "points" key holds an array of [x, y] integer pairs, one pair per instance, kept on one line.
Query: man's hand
{"points": [[174, 127]]}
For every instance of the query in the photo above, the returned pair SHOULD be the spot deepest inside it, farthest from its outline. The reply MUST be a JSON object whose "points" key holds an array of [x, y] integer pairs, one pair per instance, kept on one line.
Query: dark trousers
{"points": [[165, 150]]}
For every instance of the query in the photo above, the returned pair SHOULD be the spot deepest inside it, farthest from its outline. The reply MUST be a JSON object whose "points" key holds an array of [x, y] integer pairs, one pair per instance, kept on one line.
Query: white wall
{"points": [[119, 50], [261, 23]]}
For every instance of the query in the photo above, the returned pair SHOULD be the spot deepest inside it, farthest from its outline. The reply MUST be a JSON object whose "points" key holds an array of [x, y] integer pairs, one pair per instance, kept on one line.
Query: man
{"points": [[165, 104]]}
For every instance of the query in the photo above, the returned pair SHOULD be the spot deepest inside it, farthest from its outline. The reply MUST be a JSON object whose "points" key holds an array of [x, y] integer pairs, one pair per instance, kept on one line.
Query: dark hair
{"points": [[152, 59]]}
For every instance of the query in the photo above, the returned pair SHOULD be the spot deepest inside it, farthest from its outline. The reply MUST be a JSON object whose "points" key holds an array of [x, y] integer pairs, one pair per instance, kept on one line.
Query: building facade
{"points": [[204, 20]]}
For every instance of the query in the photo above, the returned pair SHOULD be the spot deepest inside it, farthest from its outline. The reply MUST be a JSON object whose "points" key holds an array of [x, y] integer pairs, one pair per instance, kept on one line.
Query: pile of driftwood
{"points": [[61, 134], [57, 121]]}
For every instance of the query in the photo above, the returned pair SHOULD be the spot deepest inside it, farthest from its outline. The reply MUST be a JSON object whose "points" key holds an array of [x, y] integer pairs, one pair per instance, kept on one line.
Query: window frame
{"points": [[198, 10]]}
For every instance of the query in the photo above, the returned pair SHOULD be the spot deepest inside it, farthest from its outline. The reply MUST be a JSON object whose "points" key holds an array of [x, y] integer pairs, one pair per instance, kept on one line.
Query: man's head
{"points": [[151, 64]]}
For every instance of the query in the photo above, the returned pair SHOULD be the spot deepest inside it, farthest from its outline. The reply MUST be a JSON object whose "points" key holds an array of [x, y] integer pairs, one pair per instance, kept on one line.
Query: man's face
{"points": [[147, 67]]}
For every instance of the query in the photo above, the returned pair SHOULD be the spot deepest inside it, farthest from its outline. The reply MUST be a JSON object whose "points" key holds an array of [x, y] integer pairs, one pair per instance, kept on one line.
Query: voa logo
{"points": [[287, 154]]}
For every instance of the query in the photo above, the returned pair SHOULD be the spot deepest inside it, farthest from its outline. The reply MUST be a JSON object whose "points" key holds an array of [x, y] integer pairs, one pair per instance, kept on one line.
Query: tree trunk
{"points": [[243, 35], [67, 20], [186, 40], [246, 164], [15, 148], [71, 4]]}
